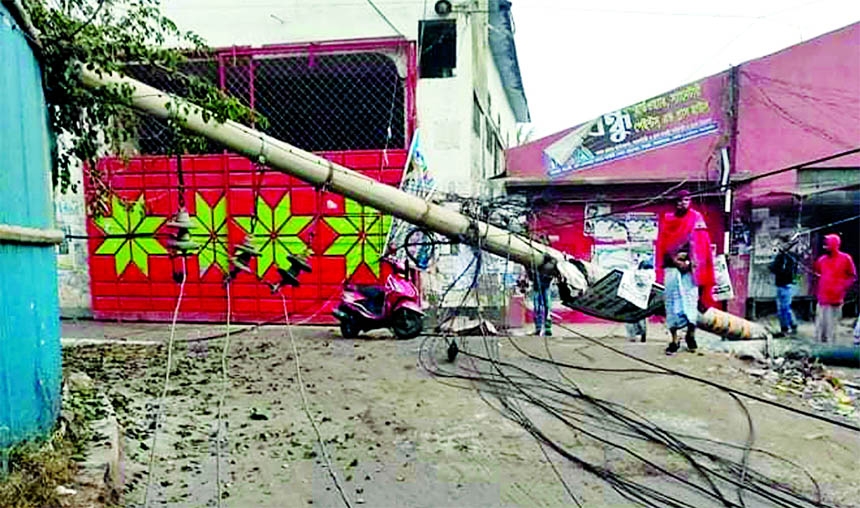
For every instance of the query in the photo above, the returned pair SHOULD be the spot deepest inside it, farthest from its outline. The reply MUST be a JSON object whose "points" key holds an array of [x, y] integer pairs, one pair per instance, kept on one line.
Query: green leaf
{"points": [[281, 253], [341, 245], [282, 212], [109, 226], [150, 245], [244, 223], [120, 214], [149, 225], [378, 241], [341, 225], [122, 258], [140, 258], [206, 257], [353, 259], [222, 259], [294, 244], [204, 212], [386, 224], [353, 207], [111, 246], [136, 213], [219, 213], [371, 259], [266, 258], [198, 228], [295, 225], [264, 214]]}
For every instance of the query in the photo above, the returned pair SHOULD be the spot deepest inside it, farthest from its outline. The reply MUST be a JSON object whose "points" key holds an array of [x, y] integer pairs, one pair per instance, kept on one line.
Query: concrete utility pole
{"points": [[576, 276], [315, 170]]}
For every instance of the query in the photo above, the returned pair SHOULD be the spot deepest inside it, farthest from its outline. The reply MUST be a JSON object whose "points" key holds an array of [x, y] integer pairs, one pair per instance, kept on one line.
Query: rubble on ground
{"points": [[825, 390]]}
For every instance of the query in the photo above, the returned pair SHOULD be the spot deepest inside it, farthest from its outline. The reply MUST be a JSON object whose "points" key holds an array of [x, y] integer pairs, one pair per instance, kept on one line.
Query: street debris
{"points": [[822, 389]]}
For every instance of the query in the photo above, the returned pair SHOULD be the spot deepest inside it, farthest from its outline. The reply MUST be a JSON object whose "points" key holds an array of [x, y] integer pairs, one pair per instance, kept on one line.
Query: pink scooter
{"points": [[395, 305]]}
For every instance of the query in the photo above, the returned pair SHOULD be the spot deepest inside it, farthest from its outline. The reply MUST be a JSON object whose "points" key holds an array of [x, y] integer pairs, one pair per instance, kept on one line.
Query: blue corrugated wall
{"points": [[30, 358]]}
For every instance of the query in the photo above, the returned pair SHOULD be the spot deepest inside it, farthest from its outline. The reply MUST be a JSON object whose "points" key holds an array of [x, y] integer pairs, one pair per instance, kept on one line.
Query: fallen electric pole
{"points": [[580, 282]]}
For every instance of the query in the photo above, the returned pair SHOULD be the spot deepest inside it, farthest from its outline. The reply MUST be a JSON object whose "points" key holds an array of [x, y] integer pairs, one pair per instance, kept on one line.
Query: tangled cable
{"points": [[701, 470]]}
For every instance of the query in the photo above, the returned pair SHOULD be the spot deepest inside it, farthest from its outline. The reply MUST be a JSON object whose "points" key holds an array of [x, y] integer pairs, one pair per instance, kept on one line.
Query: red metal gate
{"points": [[230, 198]]}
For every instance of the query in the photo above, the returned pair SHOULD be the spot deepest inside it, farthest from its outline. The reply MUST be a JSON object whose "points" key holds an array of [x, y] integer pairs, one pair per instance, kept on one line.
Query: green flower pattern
{"points": [[275, 233], [130, 235], [210, 232], [361, 236]]}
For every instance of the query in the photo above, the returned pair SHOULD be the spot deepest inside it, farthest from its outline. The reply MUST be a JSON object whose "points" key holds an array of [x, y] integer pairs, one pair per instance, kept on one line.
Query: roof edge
{"points": [[504, 51]]}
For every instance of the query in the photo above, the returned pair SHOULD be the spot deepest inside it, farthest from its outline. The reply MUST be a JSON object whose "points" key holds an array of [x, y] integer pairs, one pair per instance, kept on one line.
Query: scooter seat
{"points": [[372, 292]]}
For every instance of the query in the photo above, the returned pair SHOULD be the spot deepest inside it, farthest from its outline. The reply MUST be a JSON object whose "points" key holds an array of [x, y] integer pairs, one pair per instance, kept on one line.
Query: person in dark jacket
{"points": [[784, 269]]}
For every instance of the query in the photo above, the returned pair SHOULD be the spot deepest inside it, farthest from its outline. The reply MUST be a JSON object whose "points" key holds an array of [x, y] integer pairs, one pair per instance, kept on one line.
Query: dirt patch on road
{"points": [[399, 437]]}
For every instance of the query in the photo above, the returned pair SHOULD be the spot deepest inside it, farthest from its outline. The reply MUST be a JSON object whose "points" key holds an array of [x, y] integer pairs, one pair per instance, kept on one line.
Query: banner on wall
{"points": [[675, 117], [723, 288]]}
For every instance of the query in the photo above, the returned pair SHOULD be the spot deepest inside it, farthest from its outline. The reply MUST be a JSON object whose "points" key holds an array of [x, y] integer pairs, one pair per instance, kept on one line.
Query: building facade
{"points": [[357, 94], [767, 148]]}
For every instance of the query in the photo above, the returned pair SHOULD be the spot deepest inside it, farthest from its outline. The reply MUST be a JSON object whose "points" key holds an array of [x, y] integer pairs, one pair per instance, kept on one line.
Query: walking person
{"points": [[784, 269], [639, 330], [836, 273], [542, 304], [684, 249]]}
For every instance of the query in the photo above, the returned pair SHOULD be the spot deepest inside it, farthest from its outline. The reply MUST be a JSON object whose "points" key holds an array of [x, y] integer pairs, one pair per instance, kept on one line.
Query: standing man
{"points": [[836, 273], [684, 249], [542, 298], [784, 269], [542, 301], [639, 330]]}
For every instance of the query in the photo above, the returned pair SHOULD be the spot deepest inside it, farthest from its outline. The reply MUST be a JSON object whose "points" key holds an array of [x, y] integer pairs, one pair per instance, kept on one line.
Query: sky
{"points": [[579, 59], [582, 59]]}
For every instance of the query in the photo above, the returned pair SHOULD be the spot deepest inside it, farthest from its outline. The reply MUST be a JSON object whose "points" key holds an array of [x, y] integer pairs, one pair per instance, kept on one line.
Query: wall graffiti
{"points": [[230, 200]]}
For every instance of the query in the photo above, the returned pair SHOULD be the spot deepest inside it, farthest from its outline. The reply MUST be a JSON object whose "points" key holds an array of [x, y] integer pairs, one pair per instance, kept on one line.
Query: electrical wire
{"points": [[163, 395], [738, 474], [714, 384], [223, 389], [781, 496], [385, 18], [306, 408]]}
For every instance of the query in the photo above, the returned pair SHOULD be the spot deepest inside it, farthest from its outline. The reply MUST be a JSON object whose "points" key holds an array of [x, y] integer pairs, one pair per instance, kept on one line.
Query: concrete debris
{"points": [[822, 389]]}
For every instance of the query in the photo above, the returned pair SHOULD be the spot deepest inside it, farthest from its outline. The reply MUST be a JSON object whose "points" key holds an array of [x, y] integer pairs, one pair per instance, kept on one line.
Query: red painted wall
{"points": [[132, 277], [566, 220]]}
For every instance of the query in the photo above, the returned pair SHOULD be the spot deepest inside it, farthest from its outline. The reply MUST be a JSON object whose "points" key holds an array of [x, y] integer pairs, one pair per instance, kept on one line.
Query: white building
{"points": [[467, 118]]}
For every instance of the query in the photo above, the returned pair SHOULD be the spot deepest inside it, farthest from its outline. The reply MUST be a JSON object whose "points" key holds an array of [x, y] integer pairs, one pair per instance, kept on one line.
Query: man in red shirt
{"points": [[684, 249], [836, 273]]}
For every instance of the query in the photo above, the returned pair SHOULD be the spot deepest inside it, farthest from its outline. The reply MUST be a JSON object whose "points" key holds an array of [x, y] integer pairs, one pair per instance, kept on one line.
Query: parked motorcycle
{"points": [[395, 305]]}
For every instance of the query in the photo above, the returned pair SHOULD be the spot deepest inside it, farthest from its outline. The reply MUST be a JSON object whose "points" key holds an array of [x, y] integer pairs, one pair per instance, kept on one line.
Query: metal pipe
{"points": [[323, 173], [29, 236]]}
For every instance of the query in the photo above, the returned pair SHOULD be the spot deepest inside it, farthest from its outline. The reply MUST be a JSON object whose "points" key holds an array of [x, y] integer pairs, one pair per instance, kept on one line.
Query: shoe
{"points": [[778, 335], [642, 339], [548, 333], [691, 344], [672, 348], [793, 330]]}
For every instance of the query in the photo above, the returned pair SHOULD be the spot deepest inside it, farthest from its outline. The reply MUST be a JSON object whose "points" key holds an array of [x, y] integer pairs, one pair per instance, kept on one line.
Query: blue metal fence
{"points": [[30, 357]]}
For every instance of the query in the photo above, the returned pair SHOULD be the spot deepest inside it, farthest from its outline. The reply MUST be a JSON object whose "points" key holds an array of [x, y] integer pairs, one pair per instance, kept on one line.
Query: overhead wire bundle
{"points": [[701, 471]]}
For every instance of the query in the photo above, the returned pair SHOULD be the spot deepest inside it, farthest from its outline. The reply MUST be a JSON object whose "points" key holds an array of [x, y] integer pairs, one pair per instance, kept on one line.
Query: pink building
{"points": [[771, 146]]}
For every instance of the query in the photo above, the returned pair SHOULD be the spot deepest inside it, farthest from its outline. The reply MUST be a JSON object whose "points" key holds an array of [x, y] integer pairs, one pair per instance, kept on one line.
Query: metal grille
{"points": [[337, 101], [154, 137]]}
